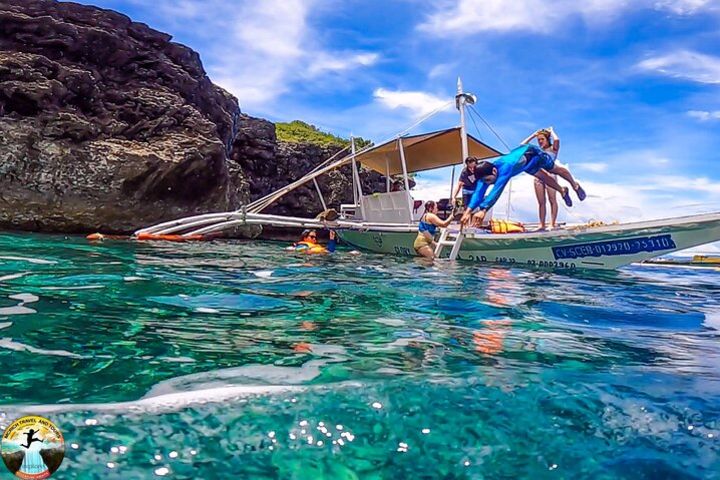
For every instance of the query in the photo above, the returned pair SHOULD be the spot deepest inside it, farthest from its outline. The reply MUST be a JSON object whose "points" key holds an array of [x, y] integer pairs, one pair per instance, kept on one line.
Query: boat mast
{"points": [[461, 99]]}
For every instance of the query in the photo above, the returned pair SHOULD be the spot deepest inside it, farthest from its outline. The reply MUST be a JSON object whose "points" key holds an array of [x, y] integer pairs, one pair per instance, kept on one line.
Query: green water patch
{"points": [[145, 353]]}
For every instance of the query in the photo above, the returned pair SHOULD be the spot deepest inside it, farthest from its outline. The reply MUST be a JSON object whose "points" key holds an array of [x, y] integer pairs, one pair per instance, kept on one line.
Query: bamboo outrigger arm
{"points": [[250, 214]]}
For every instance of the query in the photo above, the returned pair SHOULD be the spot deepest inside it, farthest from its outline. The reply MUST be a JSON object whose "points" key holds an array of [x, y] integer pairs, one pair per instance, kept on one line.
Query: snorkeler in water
{"points": [[308, 243], [30, 434]]}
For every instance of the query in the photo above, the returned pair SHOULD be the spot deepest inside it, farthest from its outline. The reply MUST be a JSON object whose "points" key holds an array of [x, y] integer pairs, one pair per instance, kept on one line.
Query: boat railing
{"points": [[388, 207], [349, 210]]}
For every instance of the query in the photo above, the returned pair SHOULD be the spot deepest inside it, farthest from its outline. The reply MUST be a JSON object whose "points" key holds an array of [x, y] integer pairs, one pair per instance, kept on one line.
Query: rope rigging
{"points": [[472, 111]]}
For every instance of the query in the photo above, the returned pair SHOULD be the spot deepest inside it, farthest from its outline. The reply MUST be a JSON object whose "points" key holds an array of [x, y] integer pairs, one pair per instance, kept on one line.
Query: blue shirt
{"points": [[514, 163]]}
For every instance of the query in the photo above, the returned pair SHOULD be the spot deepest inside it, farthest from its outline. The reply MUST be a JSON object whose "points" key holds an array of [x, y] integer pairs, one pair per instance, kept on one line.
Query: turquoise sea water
{"points": [[236, 360]]}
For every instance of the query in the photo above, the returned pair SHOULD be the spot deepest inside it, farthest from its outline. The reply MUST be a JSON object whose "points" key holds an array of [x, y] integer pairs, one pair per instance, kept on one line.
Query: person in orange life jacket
{"points": [[525, 158], [467, 182], [308, 243], [427, 227]]}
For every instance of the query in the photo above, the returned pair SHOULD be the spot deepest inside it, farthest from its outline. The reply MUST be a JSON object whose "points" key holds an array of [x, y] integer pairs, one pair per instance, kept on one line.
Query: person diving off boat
{"points": [[30, 434], [525, 158]]}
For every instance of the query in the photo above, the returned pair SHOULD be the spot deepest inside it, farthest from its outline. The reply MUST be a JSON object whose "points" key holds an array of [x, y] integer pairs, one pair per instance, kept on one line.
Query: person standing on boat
{"points": [[549, 142], [525, 158], [467, 182], [425, 241]]}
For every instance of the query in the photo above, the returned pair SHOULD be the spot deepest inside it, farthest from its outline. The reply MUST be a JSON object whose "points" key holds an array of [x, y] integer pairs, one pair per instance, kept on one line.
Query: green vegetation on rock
{"points": [[301, 132]]}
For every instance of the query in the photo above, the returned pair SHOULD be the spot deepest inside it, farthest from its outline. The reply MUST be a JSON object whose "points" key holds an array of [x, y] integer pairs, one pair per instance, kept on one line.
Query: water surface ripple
{"points": [[211, 360]]}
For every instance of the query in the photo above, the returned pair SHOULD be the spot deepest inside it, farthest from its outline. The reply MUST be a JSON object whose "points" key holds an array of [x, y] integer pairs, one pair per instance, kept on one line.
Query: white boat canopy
{"points": [[426, 151]]}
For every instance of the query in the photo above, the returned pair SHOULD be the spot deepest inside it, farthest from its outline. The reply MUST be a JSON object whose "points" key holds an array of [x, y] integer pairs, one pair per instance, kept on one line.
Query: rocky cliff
{"points": [[106, 124]]}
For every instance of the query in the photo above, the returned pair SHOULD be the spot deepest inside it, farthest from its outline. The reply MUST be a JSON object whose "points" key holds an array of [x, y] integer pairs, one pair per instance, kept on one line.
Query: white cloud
{"points": [[252, 61], [442, 69], [685, 64], [704, 116], [257, 50], [181, 9], [432, 189], [276, 28], [659, 161], [340, 61], [464, 17], [596, 167], [273, 47], [683, 7], [417, 102], [651, 198], [687, 184]]}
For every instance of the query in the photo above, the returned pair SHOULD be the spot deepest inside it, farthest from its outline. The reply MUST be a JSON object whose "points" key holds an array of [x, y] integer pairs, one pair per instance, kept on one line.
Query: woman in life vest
{"points": [[425, 241], [308, 243]]}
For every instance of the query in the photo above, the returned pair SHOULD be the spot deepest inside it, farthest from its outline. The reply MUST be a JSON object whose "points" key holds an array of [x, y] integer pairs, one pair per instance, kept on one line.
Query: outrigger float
{"points": [[387, 222]]}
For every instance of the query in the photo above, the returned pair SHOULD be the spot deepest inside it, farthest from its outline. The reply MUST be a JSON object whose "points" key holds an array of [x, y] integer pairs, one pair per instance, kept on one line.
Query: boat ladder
{"points": [[449, 238]]}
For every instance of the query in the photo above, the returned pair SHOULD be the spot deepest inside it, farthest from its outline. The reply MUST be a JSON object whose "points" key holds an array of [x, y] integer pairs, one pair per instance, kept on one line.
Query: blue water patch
{"points": [[239, 302], [634, 318], [615, 247], [366, 367]]}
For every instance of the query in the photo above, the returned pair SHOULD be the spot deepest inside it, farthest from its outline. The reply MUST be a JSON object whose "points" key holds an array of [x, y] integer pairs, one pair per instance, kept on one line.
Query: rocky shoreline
{"points": [[108, 125]]}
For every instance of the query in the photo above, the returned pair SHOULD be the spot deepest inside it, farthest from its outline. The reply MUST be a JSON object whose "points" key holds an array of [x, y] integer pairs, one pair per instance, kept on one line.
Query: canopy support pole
{"points": [[322, 199], [355, 185], [452, 184], [356, 180], [387, 175], [509, 195], [405, 178]]}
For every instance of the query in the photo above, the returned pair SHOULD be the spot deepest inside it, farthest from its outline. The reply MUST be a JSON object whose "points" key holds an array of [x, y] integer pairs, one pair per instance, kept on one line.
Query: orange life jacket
{"points": [[506, 226], [308, 247]]}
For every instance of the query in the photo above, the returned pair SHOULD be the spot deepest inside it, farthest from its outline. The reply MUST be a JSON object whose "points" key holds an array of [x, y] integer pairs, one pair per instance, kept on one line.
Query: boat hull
{"points": [[606, 247]]}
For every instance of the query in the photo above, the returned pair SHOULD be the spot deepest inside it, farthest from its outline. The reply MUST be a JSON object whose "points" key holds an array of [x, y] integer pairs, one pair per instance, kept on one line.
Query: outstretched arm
{"points": [[435, 220], [555, 140], [527, 140], [332, 243], [457, 190], [495, 193], [476, 199]]}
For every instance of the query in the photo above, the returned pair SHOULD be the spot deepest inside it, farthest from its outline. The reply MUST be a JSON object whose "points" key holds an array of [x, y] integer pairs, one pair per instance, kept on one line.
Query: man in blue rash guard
{"points": [[525, 158]]}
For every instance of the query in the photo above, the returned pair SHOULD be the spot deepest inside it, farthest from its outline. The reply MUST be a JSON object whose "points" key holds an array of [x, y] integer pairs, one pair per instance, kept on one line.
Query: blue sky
{"points": [[631, 87]]}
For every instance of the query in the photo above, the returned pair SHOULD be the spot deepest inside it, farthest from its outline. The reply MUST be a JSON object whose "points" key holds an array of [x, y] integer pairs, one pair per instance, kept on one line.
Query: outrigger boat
{"points": [[387, 222]]}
